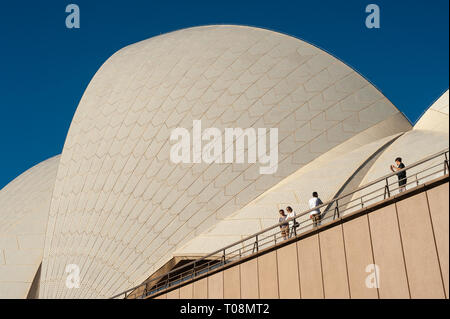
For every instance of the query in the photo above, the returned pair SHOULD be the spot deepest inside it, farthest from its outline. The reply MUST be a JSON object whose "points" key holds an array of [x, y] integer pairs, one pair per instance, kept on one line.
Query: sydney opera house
{"points": [[116, 206]]}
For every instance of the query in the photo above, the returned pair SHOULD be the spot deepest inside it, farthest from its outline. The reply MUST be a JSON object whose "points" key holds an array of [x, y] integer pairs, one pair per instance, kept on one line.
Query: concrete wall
{"points": [[408, 240]]}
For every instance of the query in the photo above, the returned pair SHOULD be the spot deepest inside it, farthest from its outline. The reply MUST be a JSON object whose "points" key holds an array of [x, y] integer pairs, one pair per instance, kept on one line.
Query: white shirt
{"points": [[314, 202], [291, 215]]}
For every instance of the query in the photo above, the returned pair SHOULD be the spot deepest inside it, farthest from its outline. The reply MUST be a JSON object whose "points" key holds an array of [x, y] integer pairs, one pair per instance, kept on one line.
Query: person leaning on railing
{"points": [[315, 214], [285, 226]]}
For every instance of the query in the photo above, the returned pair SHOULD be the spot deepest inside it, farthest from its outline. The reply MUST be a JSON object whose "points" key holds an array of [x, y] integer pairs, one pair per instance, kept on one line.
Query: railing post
{"points": [[295, 228], [255, 245], [336, 210], [446, 168], [223, 256], [386, 189]]}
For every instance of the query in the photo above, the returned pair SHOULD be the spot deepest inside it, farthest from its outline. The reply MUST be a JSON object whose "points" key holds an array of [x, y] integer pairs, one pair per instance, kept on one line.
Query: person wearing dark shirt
{"points": [[401, 175]]}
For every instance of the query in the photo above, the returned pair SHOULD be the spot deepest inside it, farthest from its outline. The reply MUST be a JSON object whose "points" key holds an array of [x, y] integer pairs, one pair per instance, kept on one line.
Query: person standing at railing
{"points": [[315, 214], [285, 226], [402, 175], [292, 224]]}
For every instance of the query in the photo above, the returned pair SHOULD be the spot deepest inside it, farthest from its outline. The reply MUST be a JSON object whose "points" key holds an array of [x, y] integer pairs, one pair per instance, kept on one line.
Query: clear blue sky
{"points": [[46, 67]]}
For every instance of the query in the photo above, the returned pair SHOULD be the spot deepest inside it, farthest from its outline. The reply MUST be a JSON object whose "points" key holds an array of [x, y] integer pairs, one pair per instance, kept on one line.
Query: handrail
{"points": [[222, 252]]}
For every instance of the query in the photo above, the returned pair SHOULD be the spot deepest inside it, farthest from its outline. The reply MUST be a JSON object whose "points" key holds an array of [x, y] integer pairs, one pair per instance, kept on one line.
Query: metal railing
{"points": [[387, 186]]}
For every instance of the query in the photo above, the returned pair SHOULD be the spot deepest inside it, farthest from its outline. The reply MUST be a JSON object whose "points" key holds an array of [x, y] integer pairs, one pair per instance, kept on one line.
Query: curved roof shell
{"points": [[327, 175], [120, 206], [429, 136], [436, 117], [24, 208]]}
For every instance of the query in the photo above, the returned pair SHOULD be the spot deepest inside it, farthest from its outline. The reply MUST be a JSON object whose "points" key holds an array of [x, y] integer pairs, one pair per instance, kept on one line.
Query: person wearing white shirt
{"points": [[315, 214], [291, 214]]}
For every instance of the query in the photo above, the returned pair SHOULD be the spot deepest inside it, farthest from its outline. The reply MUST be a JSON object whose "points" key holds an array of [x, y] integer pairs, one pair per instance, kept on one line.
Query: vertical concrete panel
{"points": [[215, 286], [388, 253], [186, 292], [310, 268], [201, 289], [358, 250], [439, 210], [419, 248], [288, 280], [249, 279], [333, 263], [232, 283], [174, 294], [268, 276]]}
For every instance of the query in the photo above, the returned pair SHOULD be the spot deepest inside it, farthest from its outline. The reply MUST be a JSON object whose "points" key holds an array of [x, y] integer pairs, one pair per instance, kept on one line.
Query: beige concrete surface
{"points": [[310, 267], [359, 255], [419, 248], [215, 286], [388, 253], [201, 289], [174, 294], [187, 292], [232, 283], [334, 264], [438, 202], [268, 276], [288, 273], [249, 280]]}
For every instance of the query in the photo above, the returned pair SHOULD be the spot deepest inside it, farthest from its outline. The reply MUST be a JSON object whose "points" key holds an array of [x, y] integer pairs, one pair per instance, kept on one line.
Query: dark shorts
{"points": [[402, 182]]}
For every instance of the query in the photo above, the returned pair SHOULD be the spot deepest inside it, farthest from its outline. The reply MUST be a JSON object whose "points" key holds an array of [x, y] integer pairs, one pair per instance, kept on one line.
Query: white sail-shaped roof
{"points": [[24, 208], [121, 208]]}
